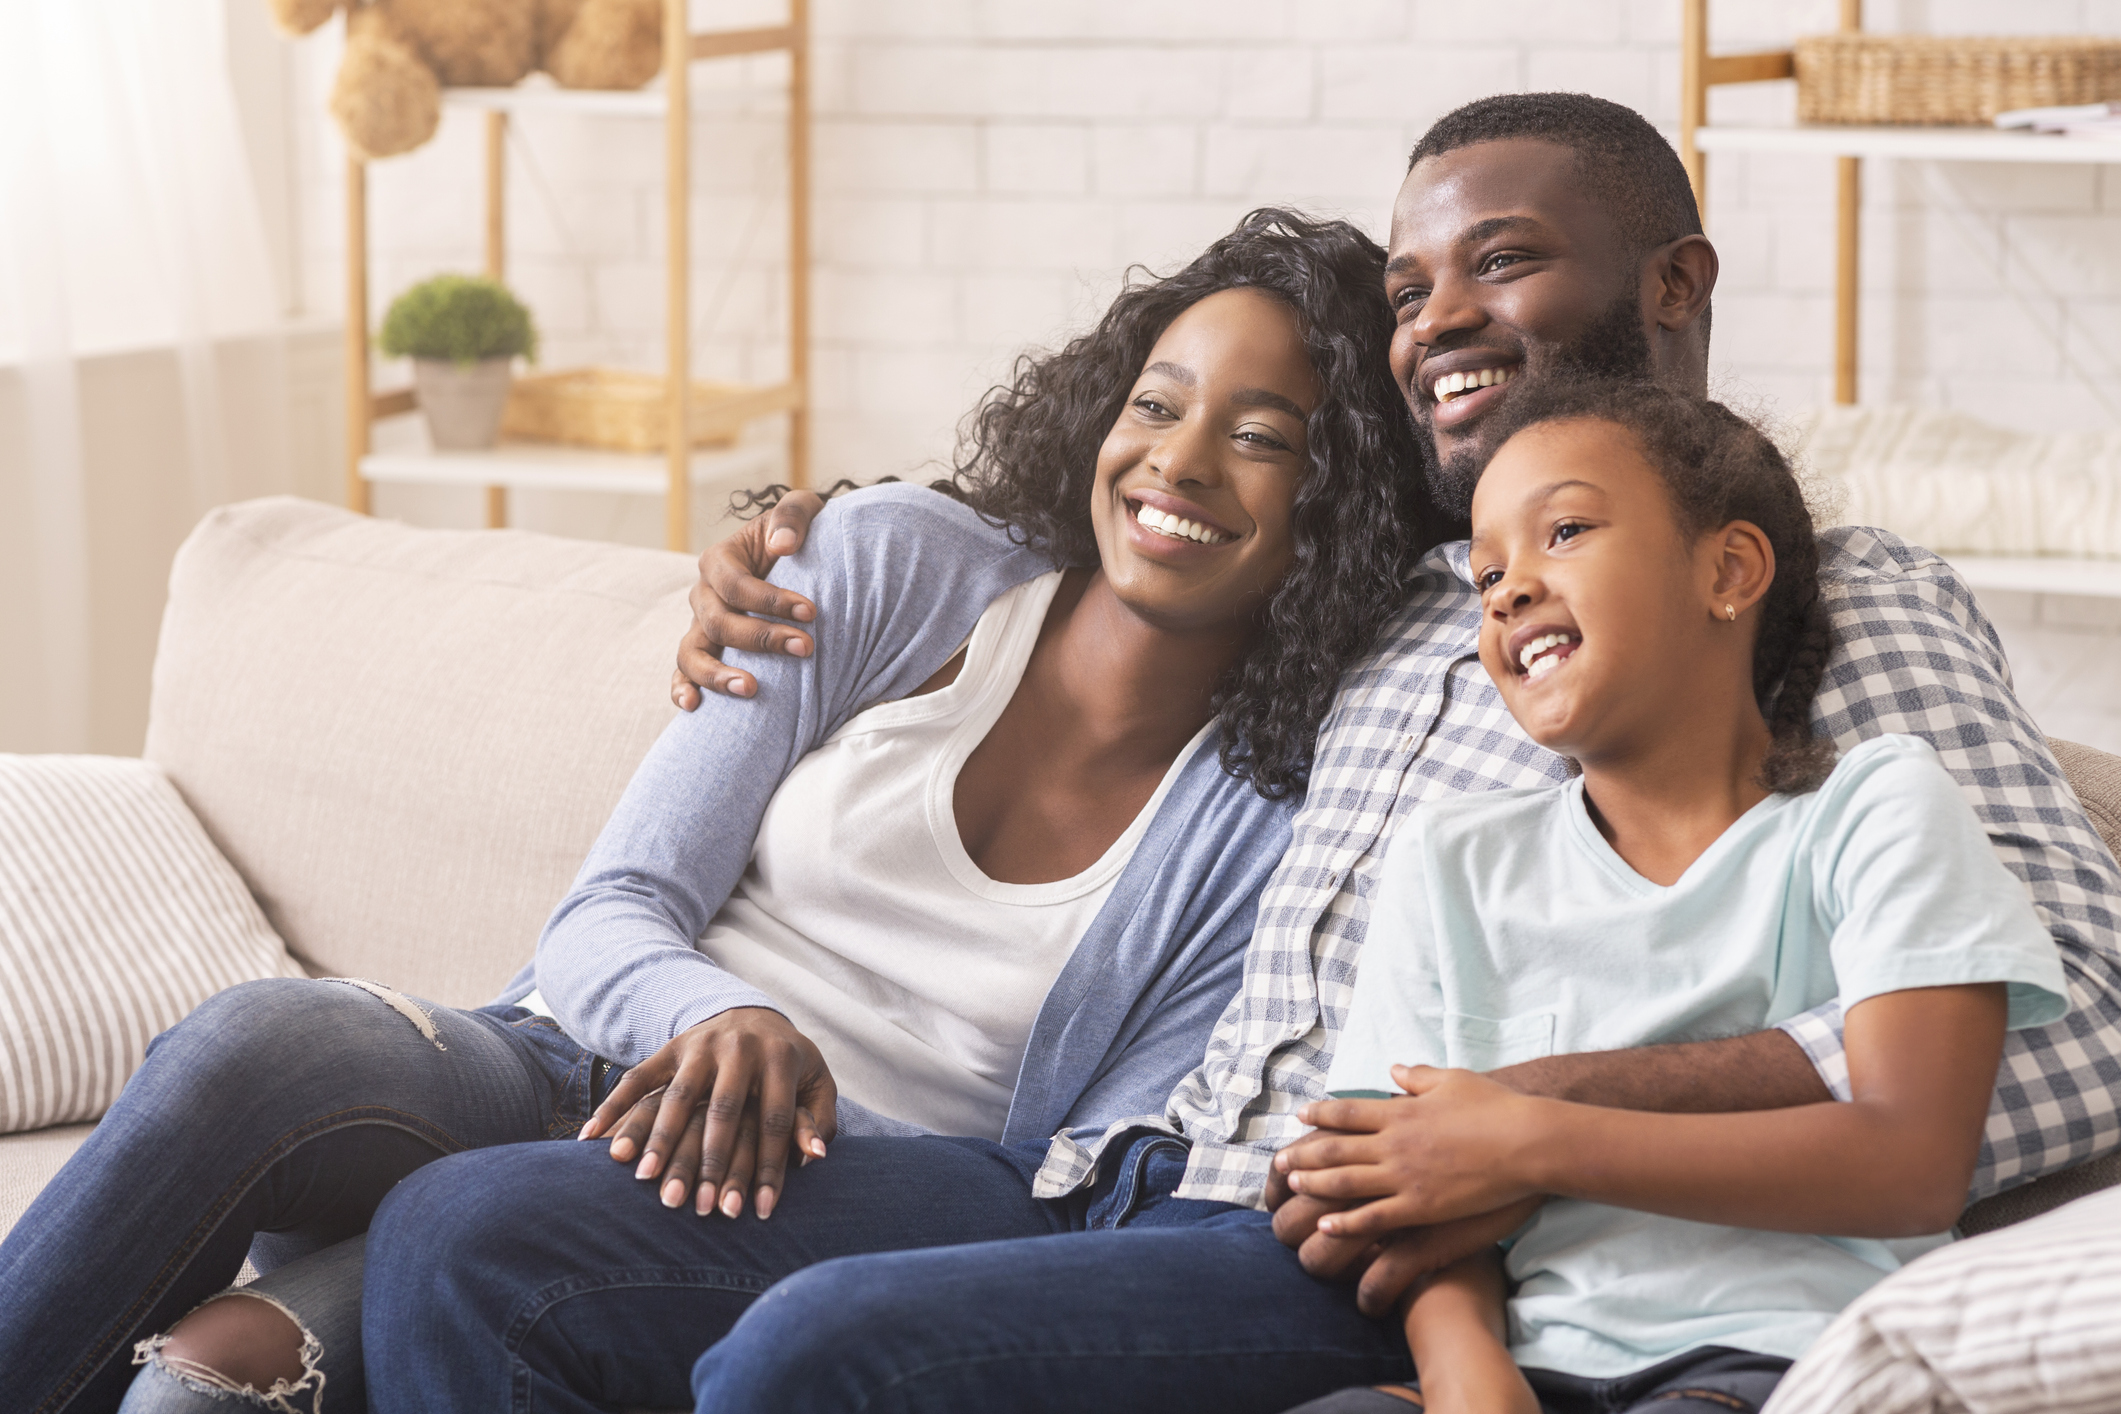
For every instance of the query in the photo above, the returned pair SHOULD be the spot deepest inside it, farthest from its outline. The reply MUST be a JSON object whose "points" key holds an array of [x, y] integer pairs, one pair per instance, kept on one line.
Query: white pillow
{"points": [[2024, 1320], [117, 917]]}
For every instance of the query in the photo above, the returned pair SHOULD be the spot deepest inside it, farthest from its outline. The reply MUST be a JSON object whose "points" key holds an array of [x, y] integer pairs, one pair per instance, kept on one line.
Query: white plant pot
{"points": [[463, 401]]}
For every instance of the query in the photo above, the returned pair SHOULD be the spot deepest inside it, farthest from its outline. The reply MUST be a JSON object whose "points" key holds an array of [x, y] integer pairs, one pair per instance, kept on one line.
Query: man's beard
{"points": [[1613, 345]]}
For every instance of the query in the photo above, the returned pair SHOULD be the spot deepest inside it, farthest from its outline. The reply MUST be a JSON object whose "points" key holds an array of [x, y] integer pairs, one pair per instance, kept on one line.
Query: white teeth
{"points": [[1451, 385], [1532, 650], [1178, 529]]}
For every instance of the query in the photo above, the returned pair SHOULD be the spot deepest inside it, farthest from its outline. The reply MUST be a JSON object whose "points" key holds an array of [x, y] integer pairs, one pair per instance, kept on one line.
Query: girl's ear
{"points": [[1742, 568]]}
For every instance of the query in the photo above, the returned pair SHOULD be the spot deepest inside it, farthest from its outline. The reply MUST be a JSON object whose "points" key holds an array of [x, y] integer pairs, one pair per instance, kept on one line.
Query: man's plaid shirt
{"points": [[1418, 718]]}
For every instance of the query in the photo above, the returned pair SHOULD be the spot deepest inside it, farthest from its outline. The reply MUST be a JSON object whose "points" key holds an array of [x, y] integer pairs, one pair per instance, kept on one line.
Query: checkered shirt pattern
{"points": [[1418, 718]]}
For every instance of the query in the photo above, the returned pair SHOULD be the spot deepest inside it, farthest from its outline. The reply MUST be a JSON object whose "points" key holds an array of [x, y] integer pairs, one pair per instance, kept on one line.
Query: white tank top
{"points": [[863, 917]]}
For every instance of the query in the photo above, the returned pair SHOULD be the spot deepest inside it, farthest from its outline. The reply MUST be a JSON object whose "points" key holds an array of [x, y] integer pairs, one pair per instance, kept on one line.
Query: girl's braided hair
{"points": [[1718, 468], [1027, 459]]}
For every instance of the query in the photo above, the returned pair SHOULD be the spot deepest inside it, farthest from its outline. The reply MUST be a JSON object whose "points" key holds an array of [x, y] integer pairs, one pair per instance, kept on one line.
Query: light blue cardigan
{"points": [[900, 575]]}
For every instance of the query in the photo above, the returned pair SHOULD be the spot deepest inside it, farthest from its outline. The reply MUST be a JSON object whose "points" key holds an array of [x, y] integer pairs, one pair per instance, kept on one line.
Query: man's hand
{"points": [[733, 587], [1453, 1147], [720, 1103], [1390, 1266]]}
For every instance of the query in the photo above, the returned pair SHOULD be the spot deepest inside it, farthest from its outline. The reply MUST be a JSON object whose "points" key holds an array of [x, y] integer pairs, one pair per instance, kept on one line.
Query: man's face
{"points": [[1503, 269]]}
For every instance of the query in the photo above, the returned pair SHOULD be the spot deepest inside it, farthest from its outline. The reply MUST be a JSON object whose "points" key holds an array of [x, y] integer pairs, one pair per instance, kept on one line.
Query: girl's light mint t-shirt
{"points": [[1507, 929]]}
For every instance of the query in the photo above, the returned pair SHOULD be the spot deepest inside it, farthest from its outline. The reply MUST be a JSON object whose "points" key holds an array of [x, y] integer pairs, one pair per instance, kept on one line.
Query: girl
{"points": [[1007, 901], [1649, 579]]}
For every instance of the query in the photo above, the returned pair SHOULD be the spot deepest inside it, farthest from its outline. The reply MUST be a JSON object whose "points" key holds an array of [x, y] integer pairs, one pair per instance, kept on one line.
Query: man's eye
{"points": [[1409, 298], [1501, 261]]}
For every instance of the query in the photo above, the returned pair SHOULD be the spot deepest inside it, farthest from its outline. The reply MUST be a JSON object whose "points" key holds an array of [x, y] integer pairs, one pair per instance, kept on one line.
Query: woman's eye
{"points": [[1153, 405], [1260, 439]]}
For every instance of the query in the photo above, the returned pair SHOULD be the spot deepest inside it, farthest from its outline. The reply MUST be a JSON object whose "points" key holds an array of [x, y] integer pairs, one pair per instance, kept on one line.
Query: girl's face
{"points": [[1196, 480], [1602, 624]]}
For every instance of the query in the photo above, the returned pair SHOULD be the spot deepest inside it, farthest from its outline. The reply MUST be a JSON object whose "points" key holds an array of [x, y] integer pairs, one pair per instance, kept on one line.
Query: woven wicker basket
{"points": [[1921, 79], [621, 410]]}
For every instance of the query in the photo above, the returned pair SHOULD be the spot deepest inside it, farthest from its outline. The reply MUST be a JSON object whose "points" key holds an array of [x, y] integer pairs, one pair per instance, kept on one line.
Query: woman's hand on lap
{"points": [[720, 1105], [731, 588]]}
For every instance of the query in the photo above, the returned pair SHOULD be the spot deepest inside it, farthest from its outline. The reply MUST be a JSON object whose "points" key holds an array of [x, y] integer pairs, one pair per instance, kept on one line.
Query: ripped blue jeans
{"points": [[269, 1124]]}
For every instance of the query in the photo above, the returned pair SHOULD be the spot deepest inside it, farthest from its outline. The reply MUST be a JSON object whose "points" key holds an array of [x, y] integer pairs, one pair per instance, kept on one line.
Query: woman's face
{"points": [[1196, 479], [1602, 623]]}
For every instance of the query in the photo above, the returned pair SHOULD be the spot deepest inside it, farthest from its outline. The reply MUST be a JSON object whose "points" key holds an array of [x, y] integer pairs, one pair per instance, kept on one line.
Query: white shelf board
{"points": [[539, 95], [2040, 575], [536, 466], [1932, 144]]}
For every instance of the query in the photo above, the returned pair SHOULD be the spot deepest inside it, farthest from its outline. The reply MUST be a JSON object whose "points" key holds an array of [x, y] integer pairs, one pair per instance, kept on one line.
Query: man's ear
{"points": [[1742, 565], [1684, 273]]}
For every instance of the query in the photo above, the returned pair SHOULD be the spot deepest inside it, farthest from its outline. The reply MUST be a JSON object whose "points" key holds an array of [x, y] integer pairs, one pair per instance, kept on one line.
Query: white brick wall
{"points": [[987, 168]]}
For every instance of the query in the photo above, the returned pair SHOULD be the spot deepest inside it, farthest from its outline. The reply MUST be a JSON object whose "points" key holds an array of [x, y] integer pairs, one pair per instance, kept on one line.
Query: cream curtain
{"points": [[128, 222]]}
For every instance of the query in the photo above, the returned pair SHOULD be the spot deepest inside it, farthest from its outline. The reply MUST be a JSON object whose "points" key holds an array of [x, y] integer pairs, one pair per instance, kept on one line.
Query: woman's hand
{"points": [[1455, 1146], [732, 587], [720, 1103]]}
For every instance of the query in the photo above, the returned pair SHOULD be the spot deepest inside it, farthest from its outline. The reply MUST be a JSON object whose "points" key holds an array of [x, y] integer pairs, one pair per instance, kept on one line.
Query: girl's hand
{"points": [[722, 1102], [1456, 1145]]}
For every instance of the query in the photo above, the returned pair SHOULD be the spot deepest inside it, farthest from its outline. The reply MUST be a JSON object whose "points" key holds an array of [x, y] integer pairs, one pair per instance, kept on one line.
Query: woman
{"points": [[1005, 903]]}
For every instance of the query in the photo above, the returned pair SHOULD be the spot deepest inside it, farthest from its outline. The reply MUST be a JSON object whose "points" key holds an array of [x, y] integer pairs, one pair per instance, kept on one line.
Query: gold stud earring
{"points": [[1730, 612]]}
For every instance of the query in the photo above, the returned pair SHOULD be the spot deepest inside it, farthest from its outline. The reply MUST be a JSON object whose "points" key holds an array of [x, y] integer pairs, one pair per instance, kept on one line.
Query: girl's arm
{"points": [[1893, 1161]]}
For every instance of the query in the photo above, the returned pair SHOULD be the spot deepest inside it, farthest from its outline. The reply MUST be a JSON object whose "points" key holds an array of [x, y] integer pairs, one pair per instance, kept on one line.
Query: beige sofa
{"points": [[406, 740]]}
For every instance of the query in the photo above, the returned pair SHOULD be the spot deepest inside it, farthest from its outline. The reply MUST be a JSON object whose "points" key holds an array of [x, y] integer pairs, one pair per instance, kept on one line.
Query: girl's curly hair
{"points": [[1717, 468], [1027, 460]]}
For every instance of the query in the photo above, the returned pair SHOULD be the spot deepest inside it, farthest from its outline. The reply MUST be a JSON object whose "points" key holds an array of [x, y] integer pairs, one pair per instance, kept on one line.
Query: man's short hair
{"points": [[1623, 160]]}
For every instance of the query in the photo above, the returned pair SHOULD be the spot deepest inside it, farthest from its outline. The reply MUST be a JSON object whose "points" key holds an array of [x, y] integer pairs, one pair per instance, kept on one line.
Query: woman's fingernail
{"points": [[817, 1148], [763, 1204], [622, 1149], [705, 1205], [732, 1204], [646, 1169], [1329, 1225], [673, 1194]]}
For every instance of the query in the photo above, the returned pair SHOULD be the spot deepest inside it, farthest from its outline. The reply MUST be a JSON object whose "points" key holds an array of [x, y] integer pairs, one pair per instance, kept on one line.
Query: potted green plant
{"points": [[461, 333]]}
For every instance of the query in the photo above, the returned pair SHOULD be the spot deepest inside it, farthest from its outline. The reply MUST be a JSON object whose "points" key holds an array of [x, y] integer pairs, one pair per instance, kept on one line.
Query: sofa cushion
{"points": [[117, 917], [406, 740], [2023, 1321], [27, 1163]]}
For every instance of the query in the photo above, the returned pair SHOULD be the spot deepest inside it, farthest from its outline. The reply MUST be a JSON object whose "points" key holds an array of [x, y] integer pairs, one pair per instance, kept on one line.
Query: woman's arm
{"points": [[1891, 1162]]}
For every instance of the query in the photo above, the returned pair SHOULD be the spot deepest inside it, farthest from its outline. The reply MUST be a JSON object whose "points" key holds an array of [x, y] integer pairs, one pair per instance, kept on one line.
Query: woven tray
{"points": [[621, 410], [1922, 79]]}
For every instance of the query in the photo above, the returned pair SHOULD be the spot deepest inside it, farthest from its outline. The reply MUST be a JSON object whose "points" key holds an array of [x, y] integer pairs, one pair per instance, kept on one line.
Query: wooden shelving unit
{"points": [[543, 466], [1849, 146]]}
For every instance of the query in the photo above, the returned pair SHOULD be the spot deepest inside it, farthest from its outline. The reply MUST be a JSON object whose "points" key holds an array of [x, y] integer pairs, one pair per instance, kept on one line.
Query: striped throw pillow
{"points": [[117, 917], [2023, 1320]]}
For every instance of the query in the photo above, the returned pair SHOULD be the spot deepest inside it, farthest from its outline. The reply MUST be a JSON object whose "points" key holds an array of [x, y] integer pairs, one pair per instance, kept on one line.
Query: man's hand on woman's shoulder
{"points": [[732, 587]]}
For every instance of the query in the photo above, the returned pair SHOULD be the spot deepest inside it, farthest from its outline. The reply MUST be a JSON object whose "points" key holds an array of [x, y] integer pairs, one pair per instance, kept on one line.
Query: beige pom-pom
{"points": [[603, 43], [386, 98], [301, 16]]}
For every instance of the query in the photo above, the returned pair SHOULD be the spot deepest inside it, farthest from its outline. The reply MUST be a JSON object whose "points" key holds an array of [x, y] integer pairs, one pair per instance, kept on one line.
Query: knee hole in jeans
{"points": [[242, 1343]]}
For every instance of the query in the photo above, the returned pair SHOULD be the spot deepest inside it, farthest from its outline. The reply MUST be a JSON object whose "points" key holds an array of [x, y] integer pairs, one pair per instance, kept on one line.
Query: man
{"points": [[1533, 234]]}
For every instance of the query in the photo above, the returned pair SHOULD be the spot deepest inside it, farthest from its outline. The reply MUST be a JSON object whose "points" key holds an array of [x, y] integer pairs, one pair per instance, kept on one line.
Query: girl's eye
{"points": [[1489, 579], [1568, 530]]}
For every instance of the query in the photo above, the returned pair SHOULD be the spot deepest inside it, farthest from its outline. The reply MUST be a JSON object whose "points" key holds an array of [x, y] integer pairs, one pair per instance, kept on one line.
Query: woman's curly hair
{"points": [[1717, 468], [1027, 460]]}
